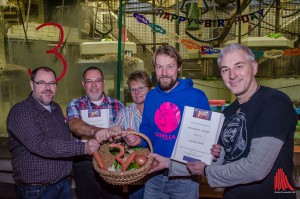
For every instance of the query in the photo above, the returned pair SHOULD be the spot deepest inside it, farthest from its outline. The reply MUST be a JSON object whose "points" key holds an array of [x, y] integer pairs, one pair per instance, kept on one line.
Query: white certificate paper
{"points": [[199, 130], [95, 117]]}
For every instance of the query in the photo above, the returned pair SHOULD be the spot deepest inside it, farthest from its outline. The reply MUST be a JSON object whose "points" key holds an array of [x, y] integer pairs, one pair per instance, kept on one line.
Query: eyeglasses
{"points": [[91, 82], [45, 84], [139, 89]]}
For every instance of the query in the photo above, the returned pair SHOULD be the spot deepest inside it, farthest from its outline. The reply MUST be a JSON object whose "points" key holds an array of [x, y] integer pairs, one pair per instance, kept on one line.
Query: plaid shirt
{"points": [[40, 142], [84, 103]]}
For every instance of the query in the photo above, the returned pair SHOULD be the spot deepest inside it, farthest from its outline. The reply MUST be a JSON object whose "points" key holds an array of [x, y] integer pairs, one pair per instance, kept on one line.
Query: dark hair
{"points": [[141, 76], [44, 68], [234, 48], [92, 68], [167, 50]]}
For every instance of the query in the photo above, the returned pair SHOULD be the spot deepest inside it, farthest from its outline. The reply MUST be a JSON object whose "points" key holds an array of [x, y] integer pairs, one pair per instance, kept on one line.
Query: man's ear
{"points": [[31, 85], [255, 67]]}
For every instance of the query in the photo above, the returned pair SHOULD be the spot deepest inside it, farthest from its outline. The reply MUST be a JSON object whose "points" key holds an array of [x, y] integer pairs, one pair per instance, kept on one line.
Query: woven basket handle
{"points": [[143, 136]]}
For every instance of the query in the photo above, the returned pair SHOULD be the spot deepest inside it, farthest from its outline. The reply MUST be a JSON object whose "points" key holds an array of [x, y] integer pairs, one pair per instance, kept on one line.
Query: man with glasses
{"points": [[41, 143], [88, 182]]}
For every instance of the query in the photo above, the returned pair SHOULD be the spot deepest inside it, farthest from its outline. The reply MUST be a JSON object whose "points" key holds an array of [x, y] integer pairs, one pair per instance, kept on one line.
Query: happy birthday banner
{"points": [[192, 45], [209, 22]]}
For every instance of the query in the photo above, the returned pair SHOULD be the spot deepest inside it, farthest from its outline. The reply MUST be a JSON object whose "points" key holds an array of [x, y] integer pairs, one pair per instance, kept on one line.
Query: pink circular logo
{"points": [[167, 117]]}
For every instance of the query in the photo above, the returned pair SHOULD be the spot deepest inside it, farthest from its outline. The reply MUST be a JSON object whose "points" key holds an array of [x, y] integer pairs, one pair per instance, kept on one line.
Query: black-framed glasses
{"points": [[91, 82], [45, 84], [139, 89]]}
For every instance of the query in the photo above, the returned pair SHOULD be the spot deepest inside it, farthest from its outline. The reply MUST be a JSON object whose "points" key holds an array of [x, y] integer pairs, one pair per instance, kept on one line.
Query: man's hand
{"points": [[215, 151], [102, 135], [108, 134], [196, 168], [115, 133], [130, 139], [91, 146], [159, 162]]}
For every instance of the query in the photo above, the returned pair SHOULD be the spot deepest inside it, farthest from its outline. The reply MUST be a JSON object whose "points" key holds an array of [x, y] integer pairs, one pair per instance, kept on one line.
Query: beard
{"points": [[94, 96], [45, 97], [167, 86]]}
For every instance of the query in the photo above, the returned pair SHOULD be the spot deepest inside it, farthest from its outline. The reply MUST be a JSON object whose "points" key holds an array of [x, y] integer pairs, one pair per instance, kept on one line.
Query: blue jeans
{"points": [[161, 187], [136, 191], [59, 190]]}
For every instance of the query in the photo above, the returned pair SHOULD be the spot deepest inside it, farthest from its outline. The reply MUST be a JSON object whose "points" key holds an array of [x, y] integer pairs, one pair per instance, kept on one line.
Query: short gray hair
{"points": [[233, 48]]}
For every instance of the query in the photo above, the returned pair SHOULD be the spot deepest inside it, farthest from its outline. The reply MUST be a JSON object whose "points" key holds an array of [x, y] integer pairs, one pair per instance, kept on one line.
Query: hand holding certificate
{"points": [[95, 117], [199, 130]]}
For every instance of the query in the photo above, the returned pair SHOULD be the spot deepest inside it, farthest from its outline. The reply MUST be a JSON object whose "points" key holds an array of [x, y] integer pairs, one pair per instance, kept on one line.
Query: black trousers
{"points": [[89, 184]]}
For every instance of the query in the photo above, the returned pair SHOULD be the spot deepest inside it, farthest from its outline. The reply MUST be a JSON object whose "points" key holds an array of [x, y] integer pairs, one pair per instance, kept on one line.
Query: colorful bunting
{"points": [[258, 54], [144, 20], [192, 45], [209, 22], [273, 54], [293, 52]]}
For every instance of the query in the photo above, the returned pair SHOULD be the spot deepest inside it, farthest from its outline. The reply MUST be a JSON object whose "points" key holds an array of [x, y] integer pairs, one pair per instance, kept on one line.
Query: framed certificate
{"points": [[199, 130]]}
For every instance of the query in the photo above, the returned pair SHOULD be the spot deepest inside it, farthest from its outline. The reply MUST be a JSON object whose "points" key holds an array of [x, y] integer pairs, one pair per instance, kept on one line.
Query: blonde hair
{"points": [[140, 76]]}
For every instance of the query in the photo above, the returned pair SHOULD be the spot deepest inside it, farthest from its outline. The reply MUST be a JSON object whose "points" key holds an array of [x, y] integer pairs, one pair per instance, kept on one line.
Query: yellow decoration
{"points": [[273, 54]]}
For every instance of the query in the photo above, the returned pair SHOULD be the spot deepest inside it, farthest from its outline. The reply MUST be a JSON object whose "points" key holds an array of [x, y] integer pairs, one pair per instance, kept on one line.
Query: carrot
{"points": [[128, 161], [120, 147], [124, 165], [121, 153], [99, 161]]}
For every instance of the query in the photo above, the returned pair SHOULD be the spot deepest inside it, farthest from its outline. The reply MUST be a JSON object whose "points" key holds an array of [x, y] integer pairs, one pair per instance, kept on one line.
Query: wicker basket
{"points": [[133, 177]]}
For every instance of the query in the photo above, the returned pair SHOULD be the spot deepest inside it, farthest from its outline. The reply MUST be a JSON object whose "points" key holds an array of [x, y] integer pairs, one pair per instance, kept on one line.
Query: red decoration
{"points": [[54, 50], [293, 52]]}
